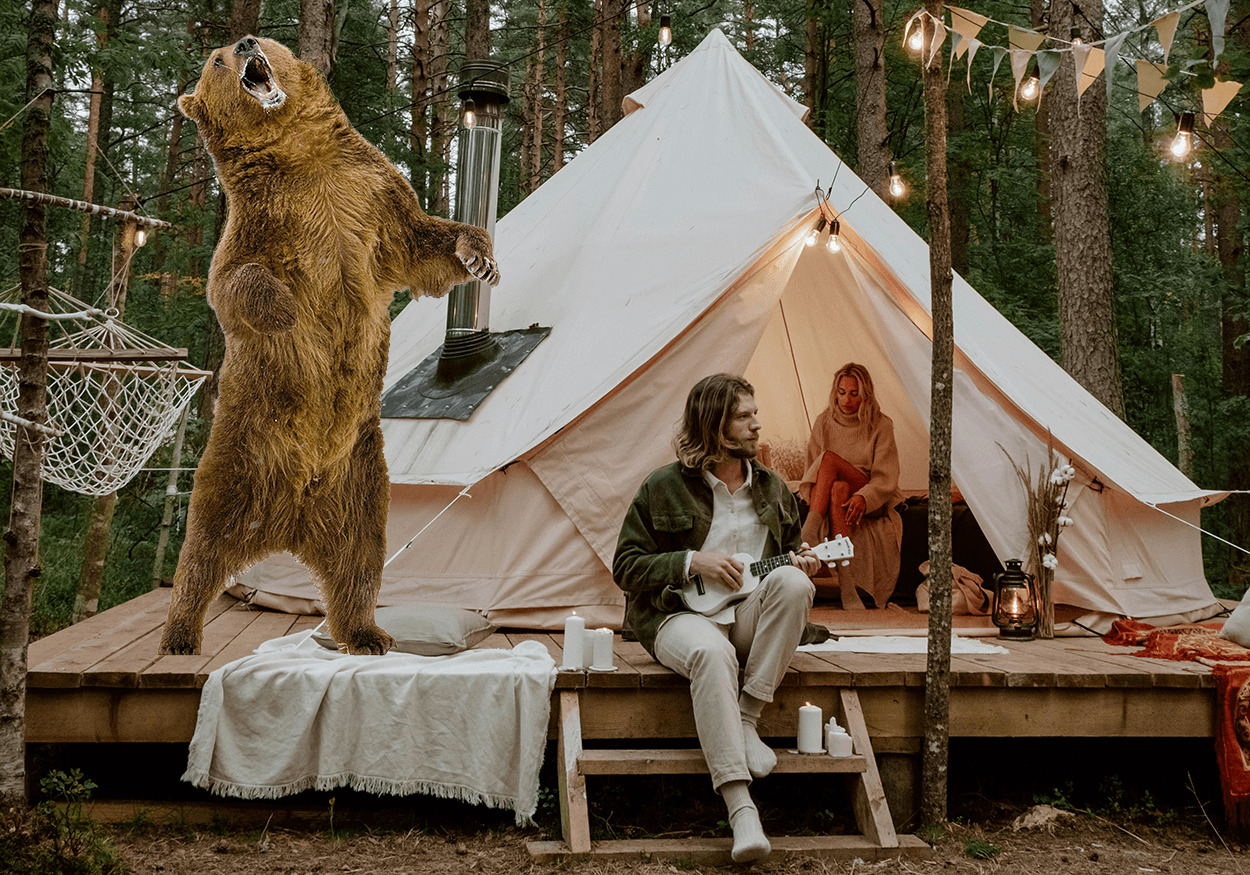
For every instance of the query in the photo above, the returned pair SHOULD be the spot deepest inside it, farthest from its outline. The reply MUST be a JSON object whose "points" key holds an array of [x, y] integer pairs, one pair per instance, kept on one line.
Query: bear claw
{"points": [[483, 268], [370, 641]]}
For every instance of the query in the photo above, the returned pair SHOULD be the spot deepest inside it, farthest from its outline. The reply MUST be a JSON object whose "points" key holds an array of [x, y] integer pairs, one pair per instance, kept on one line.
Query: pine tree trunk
{"points": [[1087, 317], [96, 540], [172, 157], [936, 752], [21, 557], [392, 46], [538, 85], [810, 61], [476, 30], [1041, 140], [594, 86], [635, 64], [610, 111], [561, 96], [748, 25], [439, 197], [200, 177], [960, 194], [93, 144], [244, 19], [316, 34], [419, 170], [871, 132], [1230, 249]]}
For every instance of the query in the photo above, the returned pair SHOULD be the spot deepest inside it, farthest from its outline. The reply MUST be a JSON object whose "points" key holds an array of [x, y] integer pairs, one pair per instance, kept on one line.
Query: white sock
{"points": [[750, 843], [760, 757]]}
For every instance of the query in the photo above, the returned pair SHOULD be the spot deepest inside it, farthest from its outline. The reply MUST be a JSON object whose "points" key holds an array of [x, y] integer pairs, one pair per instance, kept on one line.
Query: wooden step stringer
{"points": [[574, 763]]}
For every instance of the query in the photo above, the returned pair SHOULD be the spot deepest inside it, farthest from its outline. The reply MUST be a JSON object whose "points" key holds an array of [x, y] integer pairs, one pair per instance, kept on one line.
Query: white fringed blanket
{"points": [[295, 716]]}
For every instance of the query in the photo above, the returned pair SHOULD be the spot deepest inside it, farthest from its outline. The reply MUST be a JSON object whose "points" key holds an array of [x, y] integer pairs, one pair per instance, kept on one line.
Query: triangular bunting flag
{"points": [[966, 23], [1151, 80], [939, 37], [973, 45], [999, 53], [1112, 49], [1166, 26], [1018, 38], [1047, 64], [1215, 98], [1019, 63], [959, 45], [1094, 59], [1217, 12]]}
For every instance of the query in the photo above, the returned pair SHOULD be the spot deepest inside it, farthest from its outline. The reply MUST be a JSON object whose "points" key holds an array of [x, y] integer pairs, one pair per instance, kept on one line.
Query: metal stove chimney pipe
{"points": [[486, 84]]}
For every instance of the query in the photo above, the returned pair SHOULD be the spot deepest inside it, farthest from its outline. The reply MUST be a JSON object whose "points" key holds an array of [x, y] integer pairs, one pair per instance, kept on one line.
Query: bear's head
{"points": [[255, 85]]}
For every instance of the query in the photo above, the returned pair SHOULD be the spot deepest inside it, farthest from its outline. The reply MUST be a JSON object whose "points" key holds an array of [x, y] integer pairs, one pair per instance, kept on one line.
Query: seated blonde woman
{"points": [[851, 486]]}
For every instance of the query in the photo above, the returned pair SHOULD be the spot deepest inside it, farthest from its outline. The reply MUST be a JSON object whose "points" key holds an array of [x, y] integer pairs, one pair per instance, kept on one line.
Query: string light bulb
{"points": [[896, 181], [1075, 34], [141, 237], [1031, 88], [1183, 142], [834, 244], [470, 113], [810, 240], [666, 30], [915, 40]]}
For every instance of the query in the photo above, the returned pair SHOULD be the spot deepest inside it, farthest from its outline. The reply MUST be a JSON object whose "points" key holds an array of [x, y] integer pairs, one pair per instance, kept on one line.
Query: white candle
{"points": [[574, 629], [602, 659], [810, 729]]}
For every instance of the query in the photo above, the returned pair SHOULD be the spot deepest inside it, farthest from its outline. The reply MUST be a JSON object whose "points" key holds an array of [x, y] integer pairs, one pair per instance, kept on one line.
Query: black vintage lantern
{"points": [[1015, 603]]}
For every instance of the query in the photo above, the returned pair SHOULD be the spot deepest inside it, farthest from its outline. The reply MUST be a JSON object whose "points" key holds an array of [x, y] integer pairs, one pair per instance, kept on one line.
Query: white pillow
{"points": [[1237, 626], [426, 630]]}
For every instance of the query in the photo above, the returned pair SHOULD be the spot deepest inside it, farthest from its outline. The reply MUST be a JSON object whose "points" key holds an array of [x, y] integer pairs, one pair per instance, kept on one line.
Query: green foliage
{"points": [[56, 837], [979, 850]]}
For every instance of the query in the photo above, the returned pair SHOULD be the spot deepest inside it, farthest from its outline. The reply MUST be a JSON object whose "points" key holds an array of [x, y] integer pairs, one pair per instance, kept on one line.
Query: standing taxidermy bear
{"points": [[321, 231]]}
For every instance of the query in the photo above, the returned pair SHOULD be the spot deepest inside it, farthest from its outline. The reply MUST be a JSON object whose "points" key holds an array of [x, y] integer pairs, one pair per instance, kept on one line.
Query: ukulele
{"points": [[707, 597]]}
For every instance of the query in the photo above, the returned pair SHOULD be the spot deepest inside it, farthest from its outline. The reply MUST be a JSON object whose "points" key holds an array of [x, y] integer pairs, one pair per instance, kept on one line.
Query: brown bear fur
{"points": [[321, 231]]}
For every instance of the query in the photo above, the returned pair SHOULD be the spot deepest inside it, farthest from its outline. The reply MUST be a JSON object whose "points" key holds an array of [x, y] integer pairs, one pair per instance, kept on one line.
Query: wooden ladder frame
{"points": [[877, 838]]}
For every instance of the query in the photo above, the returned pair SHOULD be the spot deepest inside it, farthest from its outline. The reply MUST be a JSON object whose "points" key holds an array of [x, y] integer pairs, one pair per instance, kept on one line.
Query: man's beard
{"points": [[735, 449]]}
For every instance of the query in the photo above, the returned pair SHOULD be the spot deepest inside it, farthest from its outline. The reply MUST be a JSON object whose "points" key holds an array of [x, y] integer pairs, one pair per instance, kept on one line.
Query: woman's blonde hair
{"points": [[710, 405], [869, 412]]}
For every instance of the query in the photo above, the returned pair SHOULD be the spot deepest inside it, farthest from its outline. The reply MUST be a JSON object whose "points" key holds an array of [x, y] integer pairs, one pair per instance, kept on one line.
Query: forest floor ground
{"points": [[1136, 806]]}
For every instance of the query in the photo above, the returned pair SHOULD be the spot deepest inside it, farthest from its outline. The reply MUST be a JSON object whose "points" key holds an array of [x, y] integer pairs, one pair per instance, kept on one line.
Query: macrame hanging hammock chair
{"points": [[114, 393]]}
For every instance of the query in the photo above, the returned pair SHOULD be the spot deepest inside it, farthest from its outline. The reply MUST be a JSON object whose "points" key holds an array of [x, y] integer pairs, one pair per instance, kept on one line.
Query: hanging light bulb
{"points": [[470, 113], [1075, 34], [141, 237], [915, 40], [834, 244], [810, 239], [896, 182], [1184, 139], [1031, 88], [666, 30]]}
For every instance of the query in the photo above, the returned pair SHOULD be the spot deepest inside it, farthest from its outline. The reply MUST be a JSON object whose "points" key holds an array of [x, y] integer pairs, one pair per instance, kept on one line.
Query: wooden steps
{"points": [[574, 763]]}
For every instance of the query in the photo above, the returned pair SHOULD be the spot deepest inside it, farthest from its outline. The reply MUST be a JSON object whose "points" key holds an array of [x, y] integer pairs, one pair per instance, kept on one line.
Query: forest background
{"points": [[1176, 229]]}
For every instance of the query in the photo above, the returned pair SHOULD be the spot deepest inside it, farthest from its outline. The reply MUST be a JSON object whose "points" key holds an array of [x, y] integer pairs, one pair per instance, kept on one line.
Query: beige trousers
{"points": [[767, 627]]}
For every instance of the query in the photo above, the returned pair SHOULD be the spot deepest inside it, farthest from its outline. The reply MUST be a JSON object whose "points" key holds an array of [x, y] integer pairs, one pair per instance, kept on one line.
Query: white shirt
{"points": [[735, 528]]}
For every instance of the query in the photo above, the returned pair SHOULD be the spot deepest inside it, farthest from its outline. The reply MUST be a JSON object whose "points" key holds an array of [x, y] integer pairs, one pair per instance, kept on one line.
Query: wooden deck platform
{"points": [[102, 681]]}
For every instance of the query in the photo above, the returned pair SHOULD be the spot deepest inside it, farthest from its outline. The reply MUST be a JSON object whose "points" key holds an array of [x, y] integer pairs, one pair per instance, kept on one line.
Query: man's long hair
{"points": [[869, 411], [710, 406]]}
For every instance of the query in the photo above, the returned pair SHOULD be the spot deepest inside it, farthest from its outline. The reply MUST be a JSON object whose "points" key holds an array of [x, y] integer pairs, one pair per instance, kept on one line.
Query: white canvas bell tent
{"points": [[673, 248]]}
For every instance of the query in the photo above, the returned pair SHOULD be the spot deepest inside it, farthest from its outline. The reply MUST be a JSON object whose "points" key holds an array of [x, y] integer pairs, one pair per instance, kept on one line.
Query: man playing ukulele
{"points": [[687, 521]]}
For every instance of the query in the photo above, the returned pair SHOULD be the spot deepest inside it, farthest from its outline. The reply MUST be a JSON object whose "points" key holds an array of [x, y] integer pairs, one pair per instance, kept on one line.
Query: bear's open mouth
{"points": [[258, 81]]}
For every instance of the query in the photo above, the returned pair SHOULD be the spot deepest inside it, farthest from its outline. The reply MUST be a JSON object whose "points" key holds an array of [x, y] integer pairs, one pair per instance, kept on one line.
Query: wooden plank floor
{"points": [[102, 680]]}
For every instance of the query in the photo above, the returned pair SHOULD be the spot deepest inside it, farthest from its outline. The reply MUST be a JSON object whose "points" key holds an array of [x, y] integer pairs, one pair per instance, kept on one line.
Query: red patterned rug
{"points": [[1181, 641], [1232, 731]]}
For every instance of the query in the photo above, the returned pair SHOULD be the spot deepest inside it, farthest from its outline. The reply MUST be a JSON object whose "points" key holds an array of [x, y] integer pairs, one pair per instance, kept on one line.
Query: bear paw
{"points": [[265, 303], [178, 641], [369, 640], [474, 252]]}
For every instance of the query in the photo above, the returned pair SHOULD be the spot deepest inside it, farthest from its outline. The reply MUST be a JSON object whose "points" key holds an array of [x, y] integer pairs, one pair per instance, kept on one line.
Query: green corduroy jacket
{"points": [[670, 515]]}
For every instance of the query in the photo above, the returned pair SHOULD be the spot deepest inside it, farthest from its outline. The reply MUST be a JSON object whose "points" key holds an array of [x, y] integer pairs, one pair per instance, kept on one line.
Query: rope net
{"points": [[114, 394]]}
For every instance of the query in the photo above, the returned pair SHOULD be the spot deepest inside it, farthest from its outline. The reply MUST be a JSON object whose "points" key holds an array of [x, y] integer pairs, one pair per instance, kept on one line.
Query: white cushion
{"points": [[425, 630]]}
